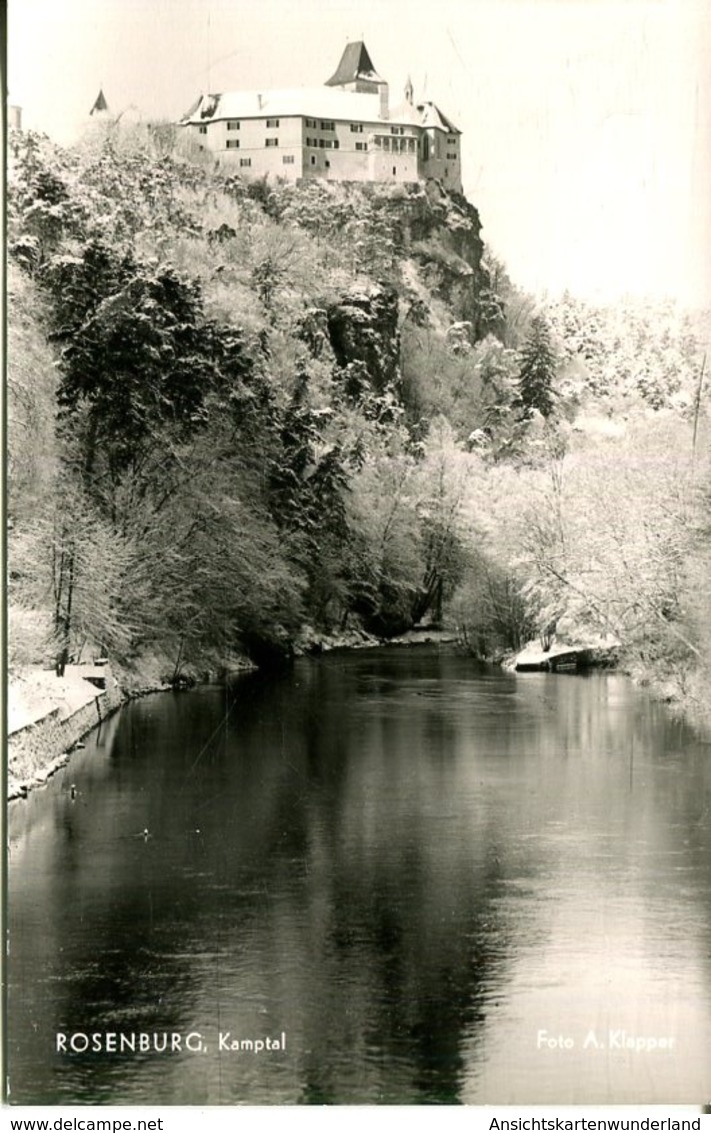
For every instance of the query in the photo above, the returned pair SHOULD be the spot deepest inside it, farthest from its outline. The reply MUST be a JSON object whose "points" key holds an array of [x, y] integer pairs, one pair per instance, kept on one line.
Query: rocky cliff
{"points": [[417, 251], [364, 335]]}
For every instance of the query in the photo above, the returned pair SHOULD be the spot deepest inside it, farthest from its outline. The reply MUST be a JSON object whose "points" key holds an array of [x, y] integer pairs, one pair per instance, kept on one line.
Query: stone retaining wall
{"points": [[34, 753]]}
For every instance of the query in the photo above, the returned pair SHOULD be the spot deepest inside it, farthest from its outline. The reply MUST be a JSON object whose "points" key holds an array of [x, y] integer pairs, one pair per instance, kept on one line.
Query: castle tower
{"points": [[409, 91], [356, 72]]}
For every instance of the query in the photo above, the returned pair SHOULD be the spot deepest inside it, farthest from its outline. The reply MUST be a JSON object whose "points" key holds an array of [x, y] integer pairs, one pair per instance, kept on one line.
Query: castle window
{"points": [[451, 141], [328, 125], [327, 164], [233, 143], [356, 127], [394, 170], [232, 125], [271, 142], [451, 157], [311, 124], [397, 129], [272, 123], [361, 146], [245, 161], [202, 129], [288, 159], [313, 158]]}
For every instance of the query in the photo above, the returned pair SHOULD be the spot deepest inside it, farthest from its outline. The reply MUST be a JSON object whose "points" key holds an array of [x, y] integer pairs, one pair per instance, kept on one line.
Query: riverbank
{"points": [[683, 690], [600, 653], [312, 641], [48, 715]]}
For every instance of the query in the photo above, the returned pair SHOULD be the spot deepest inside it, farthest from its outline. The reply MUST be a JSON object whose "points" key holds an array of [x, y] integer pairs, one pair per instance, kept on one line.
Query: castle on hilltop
{"points": [[342, 131]]}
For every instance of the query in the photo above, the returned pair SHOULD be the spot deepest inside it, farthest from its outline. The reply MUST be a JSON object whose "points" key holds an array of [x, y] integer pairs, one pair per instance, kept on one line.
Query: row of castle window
{"points": [[395, 145], [390, 145], [233, 124], [270, 143], [313, 124]]}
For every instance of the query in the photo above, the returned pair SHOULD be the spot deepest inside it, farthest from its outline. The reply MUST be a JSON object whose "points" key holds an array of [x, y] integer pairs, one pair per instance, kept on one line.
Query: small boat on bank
{"points": [[563, 658]]}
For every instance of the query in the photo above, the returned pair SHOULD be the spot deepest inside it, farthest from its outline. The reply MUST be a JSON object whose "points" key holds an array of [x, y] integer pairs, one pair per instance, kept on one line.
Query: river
{"points": [[428, 880]]}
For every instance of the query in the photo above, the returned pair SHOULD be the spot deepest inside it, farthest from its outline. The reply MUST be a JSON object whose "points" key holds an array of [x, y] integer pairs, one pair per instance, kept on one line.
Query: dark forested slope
{"points": [[242, 411]]}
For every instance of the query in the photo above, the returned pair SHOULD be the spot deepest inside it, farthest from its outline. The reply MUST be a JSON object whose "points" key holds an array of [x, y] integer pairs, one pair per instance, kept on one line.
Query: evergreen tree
{"points": [[538, 369]]}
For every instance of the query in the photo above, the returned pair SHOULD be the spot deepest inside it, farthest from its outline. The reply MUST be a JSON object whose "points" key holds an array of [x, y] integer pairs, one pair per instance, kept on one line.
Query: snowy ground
{"points": [[597, 647], [34, 693]]}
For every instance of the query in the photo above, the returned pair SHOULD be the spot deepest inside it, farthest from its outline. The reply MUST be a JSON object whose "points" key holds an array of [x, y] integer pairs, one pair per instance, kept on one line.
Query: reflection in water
{"points": [[412, 866]]}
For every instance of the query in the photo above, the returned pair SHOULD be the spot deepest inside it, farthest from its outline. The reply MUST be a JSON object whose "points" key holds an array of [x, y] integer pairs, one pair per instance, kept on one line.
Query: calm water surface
{"points": [[409, 865]]}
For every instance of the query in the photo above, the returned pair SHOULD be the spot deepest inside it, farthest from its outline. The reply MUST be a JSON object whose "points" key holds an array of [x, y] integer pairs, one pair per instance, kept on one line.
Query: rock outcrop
{"points": [[364, 335]]}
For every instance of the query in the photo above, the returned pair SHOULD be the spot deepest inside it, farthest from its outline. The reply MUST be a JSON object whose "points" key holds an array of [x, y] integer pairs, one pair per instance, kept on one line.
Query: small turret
{"points": [[409, 91], [100, 106]]}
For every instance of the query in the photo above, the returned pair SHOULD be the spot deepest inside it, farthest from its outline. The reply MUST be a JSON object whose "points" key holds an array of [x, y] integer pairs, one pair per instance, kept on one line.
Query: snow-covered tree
{"points": [[538, 369]]}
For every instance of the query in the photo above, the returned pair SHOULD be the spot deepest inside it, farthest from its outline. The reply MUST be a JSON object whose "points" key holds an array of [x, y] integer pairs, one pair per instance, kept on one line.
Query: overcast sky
{"points": [[587, 123]]}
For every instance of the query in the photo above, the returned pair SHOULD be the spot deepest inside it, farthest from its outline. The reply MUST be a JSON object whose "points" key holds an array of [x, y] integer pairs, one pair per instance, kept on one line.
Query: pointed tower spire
{"points": [[100, 106], [409, 91], [355, 71]]}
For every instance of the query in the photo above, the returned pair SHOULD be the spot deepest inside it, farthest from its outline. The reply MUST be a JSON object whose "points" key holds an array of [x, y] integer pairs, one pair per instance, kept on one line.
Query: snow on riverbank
{"points": [[47, 717], [35, 693]]}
